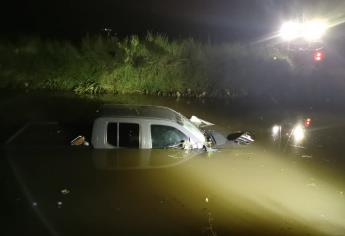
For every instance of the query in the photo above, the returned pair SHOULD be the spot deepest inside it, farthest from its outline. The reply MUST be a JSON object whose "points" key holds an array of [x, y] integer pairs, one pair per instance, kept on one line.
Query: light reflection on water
{"points": [[244, 187], [273, 189], [244, 190]]}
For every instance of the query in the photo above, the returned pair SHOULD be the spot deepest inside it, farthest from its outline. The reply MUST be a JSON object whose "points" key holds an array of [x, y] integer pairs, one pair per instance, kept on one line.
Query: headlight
{"points": [[298, 133], [314, 30], [290, 31], [310, 31]]}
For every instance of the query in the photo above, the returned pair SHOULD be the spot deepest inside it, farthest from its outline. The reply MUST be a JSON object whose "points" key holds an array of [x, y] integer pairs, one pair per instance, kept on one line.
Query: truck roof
{"points": [[140, 111]]}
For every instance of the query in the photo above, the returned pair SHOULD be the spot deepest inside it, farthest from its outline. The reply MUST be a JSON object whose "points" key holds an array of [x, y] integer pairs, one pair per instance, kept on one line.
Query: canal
{"points": [[260, 189]]}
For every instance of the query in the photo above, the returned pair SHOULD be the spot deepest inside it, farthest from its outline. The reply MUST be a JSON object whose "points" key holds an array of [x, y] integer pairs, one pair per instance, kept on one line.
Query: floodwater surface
{"points": [[260, 189]]}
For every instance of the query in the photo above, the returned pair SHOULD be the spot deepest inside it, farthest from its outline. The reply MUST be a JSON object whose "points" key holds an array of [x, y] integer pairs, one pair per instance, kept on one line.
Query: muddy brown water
{"points": [[246, 190]]}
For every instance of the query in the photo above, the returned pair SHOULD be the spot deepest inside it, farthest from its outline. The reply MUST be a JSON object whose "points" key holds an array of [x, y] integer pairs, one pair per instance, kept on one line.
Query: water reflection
{"points": [[243, 189], [129, 159]]}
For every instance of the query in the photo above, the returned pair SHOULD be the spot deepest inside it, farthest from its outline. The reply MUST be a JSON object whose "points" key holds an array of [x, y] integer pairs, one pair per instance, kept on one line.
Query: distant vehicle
{"points": [[303, 40], [141, 127], [302, 52]]}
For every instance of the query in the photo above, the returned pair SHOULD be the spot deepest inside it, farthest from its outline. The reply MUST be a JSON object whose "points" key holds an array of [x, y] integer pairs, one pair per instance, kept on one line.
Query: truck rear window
{"points": [[123, 135], [112, 134], [129, 135]]}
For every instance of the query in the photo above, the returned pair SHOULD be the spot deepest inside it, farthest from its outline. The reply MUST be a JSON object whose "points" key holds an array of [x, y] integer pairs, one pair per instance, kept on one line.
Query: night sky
{"points": [[215, 20]]}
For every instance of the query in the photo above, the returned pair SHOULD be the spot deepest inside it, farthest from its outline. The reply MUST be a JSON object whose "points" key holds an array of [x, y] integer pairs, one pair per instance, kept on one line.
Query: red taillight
{"points": [[318, 56], [307, 122]]}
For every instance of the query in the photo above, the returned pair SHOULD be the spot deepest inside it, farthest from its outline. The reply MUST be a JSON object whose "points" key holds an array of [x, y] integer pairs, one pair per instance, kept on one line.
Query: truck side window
{"points": [[112, 134], [129, 135], [165, 136]]}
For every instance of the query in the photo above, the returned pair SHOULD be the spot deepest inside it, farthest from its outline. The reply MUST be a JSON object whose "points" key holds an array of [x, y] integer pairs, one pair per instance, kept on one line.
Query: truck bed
{"points": [[49, 134]]}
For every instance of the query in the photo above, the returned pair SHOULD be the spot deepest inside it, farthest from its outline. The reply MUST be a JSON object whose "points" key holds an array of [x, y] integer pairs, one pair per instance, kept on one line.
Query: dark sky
{"points": [[215, 19]]}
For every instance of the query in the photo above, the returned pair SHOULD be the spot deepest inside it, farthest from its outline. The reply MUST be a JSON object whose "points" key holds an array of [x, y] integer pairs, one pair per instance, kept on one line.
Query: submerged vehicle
{"points": [[142, 127], [147, 127], [126, 137]]}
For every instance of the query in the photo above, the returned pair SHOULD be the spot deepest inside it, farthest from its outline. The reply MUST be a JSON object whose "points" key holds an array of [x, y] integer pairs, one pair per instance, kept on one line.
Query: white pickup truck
{"points": [[137, 127], [147, 127], [123, 137]]}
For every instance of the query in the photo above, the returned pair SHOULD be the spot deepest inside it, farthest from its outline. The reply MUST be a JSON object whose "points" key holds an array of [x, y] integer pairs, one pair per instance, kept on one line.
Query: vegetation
{"points": [[150, 65]]}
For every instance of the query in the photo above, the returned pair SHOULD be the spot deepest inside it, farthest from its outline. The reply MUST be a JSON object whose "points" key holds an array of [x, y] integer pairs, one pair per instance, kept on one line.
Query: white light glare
{"points": [[290, 30], [312, 30], [298, 133], [275, 130]]}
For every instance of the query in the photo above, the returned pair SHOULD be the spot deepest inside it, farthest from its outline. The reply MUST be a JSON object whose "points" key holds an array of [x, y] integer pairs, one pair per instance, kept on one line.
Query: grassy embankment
{"points": [[150, 65]]}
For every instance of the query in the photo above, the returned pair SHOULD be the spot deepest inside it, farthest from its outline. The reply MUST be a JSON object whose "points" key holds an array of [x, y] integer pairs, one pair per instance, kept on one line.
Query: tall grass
{"points": [[153, 64]]}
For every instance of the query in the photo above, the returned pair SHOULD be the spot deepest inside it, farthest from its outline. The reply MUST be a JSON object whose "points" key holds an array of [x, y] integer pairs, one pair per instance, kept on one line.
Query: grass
{"points": [[150, 65]]}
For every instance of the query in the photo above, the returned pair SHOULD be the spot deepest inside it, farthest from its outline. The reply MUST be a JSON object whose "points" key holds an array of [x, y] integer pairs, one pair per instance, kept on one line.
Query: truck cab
{"points": [[144, 127]]}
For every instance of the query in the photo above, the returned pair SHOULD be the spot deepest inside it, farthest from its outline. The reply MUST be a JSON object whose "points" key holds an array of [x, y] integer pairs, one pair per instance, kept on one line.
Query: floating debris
{"points": [[163, 201], [34, 204], [206, 199], [65, 191], [59, 204], [78, 141], [307, 156]]}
